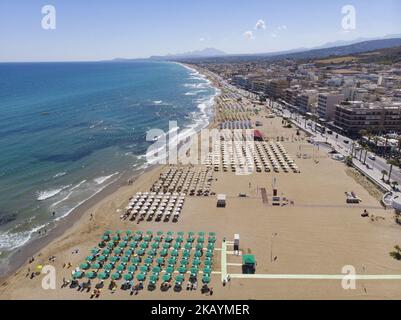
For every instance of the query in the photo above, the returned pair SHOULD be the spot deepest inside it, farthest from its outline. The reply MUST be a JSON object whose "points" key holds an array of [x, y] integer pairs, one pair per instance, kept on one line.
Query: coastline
{"points": [[19, 258]]}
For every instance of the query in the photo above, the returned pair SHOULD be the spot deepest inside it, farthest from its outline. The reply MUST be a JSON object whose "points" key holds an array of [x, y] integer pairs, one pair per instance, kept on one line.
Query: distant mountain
{"points": [[205, 53], [354, 48]]}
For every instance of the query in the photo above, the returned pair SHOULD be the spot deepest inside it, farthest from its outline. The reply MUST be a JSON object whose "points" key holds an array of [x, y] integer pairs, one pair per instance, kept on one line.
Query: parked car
{"points": [[346, 141], [372, 157]]}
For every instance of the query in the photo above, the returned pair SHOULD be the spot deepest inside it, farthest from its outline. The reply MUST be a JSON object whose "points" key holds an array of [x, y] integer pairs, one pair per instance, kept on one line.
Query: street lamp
{"points": [[271, 246]]}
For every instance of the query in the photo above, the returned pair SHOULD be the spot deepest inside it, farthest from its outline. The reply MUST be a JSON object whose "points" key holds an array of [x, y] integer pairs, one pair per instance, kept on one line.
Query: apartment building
{"points": [[378, 117], [326, 107]]}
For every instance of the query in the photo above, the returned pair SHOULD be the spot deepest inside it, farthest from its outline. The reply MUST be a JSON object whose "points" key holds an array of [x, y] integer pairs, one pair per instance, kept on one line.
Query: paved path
{"points": [[314, 277]]}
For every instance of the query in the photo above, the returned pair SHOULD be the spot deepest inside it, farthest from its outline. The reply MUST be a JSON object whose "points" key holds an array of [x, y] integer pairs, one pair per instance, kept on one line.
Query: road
{"points": [[337, 140]]}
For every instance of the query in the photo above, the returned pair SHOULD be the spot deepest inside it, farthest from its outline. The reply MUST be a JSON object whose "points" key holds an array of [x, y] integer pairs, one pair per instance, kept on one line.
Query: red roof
{"points": [[257, 134]]}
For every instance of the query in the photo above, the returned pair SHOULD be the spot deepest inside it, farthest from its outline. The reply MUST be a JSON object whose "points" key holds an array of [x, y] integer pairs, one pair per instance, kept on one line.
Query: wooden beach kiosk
{"points": [[248, 264]]}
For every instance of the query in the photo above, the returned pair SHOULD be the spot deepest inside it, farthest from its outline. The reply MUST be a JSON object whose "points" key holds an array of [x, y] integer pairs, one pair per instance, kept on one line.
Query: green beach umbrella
{"points": [[168, 239], [201, 234], [116, 276], [105, 238], [110, 245], [114, 259], [125, 259], [201, 240], [157, 239], [177, 246], [84, 266], [160, 233], [78, 275], [133, 245], [128, 253], [91, 275], [160, 260], [194, 270], [119, 232], [206, 279], [141, 277], [212, 234], [152, 252], [153, 278], [144, 245], [101, 244], [136, 260], [191, 233], [128, 277], [108, 267], [169, 270], [180, 278], [147, 239], [149, 233], [117, 251], [196, 262], [116, 238], [190, 240], [155, 245], [210, 246], [163, 253], [122, 244], [209, 254], [174, 253], [212, 240], [208, 262], [167, 277], [107, 233], [148, 261], [102, 276], [138, 237], [182, 269], [128, 232], [139, 232], [188, 246], [140, 252], [186, 254], [126, 238], [144, 269], [198, 254], [96, 265], [181, 234], [156, 269], [90, 258], [170, 233], [132, 268], [166, 246], [179, 240], [172, 260], [207, 270], [199, 246], [95, 250], [184, 262], [106, 252], [120, 268]]}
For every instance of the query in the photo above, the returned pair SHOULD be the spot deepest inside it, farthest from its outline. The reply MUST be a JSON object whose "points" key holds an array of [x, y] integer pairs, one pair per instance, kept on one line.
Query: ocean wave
{"points": [[44, 195], [101, 180], [69, 193], [60, 174], [158, 101]]}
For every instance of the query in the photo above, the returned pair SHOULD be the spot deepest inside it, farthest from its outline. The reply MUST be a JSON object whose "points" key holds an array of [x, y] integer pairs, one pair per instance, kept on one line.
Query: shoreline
{"points": [[18, 259]]}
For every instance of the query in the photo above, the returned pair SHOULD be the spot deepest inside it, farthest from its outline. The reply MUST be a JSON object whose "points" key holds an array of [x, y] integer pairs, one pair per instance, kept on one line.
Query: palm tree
{"points": [[384, 172], [391, 162]]}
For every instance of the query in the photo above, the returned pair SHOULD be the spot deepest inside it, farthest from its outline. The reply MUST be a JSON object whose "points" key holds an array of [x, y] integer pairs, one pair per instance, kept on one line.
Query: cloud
{"points": [[260, 25], [249, 35], [274, 35], [281, 28], [202, 39]]}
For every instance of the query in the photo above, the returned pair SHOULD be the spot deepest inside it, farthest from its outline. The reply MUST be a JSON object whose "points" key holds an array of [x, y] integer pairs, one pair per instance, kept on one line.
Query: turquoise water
{"points": [[67, 130]]}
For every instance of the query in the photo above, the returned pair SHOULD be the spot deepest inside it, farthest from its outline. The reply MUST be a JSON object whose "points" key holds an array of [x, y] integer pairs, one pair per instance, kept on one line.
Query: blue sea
{"points": [[68, 130]]}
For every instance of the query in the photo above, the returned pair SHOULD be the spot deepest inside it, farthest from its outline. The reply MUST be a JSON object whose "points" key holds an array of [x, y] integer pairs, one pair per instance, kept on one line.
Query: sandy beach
{"points": [[313, 232]]}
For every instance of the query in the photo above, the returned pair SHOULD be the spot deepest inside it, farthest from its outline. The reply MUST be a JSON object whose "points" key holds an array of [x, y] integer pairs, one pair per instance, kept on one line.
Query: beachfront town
{"points": [[357, 105]]}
